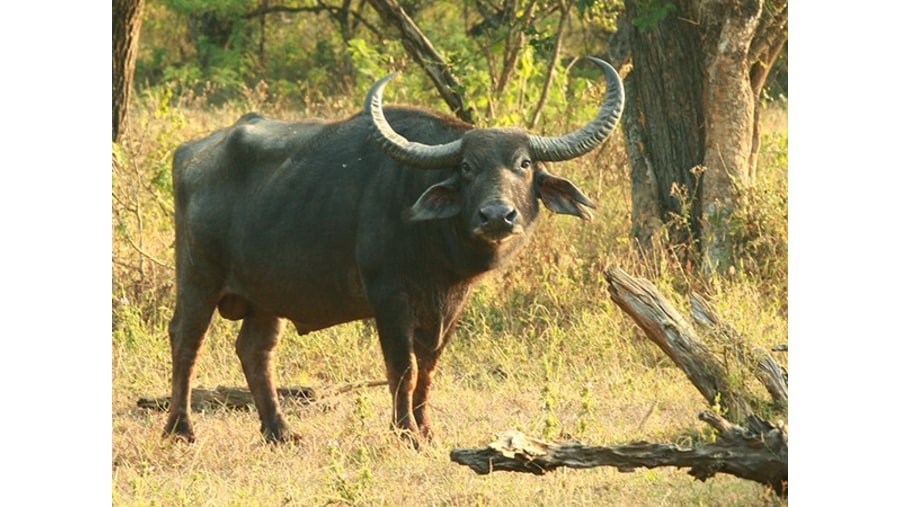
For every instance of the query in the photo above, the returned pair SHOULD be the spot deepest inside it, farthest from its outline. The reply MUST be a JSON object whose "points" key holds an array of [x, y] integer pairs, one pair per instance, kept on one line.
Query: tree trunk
{"points": [[730, 107], [691, 125], [126, 28], [664, 124]]}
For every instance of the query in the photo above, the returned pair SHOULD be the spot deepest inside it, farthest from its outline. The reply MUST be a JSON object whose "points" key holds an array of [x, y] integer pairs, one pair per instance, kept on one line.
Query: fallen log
{"points": [[239, 398], [758, 454]]}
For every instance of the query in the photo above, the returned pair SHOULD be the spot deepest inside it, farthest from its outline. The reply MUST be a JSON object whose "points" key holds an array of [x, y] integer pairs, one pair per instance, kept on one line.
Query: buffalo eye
{"points": [[466, 169], [524, 166]]}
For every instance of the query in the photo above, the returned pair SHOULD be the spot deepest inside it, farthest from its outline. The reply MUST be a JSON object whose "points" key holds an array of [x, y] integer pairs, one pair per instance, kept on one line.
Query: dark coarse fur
{"points": [[313, 223]]}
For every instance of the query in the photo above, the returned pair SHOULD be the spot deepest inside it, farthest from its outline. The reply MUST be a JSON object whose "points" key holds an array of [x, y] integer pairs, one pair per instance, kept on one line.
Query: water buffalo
{"points": [[392, 213]]}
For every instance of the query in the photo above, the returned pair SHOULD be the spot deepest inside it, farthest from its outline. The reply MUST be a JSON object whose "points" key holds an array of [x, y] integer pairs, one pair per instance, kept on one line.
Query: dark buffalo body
{"points": [[392, 214]]}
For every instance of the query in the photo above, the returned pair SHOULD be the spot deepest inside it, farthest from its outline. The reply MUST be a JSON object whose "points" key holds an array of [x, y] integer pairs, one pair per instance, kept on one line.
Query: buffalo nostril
{"points": [[497, 215]]}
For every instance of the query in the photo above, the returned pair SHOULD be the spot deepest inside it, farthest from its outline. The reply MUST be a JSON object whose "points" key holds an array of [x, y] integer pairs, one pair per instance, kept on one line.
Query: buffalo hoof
{"points": [[179, 430], [426, 434], [415, 437], [290, 438], [411, 438], [281, 435]]}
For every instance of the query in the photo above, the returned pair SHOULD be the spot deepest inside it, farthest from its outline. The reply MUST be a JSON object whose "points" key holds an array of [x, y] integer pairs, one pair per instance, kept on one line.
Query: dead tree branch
{"points": [[423, 52], [758, 452], [759, 455], [668, 329], [769, 373], [334, 11]]}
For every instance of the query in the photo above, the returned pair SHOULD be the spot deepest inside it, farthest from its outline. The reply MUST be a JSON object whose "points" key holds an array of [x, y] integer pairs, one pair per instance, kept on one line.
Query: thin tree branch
{"points": [[330, 9], [146, 254], [551, 65]]}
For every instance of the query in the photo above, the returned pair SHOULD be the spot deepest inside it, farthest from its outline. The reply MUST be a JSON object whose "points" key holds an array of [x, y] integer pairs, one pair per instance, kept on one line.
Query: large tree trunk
{"points": [[664, 126], [126, 27], [730, 107], [691, 125]]}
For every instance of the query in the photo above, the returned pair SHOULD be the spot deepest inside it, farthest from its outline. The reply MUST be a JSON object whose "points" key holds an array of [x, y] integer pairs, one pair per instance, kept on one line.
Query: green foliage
{"points": [[232, 9], [372, 62], [350, 475], [586, 408], [186, 77], [196, 47], [549, 407], [219, 51], [650, 13], [362, 408], [600, 13]]}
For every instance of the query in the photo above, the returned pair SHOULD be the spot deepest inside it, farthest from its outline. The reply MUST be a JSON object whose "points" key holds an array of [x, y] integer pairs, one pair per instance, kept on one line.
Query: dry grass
{"points": [[541, 348], [344, 460]]}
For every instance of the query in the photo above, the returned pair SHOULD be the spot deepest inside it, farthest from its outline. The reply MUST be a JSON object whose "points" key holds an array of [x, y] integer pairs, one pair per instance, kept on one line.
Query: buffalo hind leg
{"points": [[256, 340], [193, 312]]}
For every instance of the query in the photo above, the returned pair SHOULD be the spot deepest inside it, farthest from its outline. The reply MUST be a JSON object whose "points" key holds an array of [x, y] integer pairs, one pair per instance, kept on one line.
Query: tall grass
{"points": [[540, 348]]}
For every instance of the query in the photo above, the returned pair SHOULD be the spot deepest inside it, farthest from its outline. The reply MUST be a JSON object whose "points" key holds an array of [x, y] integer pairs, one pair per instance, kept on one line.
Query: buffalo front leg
{"points": [[426, 360], [402, 375], [256, 340], [394, 322], [192, 314]]}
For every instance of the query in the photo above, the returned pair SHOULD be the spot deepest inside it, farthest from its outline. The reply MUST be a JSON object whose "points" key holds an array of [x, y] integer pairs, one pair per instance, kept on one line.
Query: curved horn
{"points": [[398, 147], [576, 144]]}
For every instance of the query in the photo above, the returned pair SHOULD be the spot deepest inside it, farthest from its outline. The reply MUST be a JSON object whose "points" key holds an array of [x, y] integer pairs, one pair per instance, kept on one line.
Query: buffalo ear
{"points": [[441, 200], [562, 196]]}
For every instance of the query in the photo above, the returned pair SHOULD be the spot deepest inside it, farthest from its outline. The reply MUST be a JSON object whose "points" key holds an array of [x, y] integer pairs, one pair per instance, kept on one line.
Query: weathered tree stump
{"points": [[758, 453]]}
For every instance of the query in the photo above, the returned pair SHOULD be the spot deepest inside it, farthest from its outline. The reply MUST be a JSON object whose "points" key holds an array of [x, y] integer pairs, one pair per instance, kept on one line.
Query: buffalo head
{"points": [[496, 174]]}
